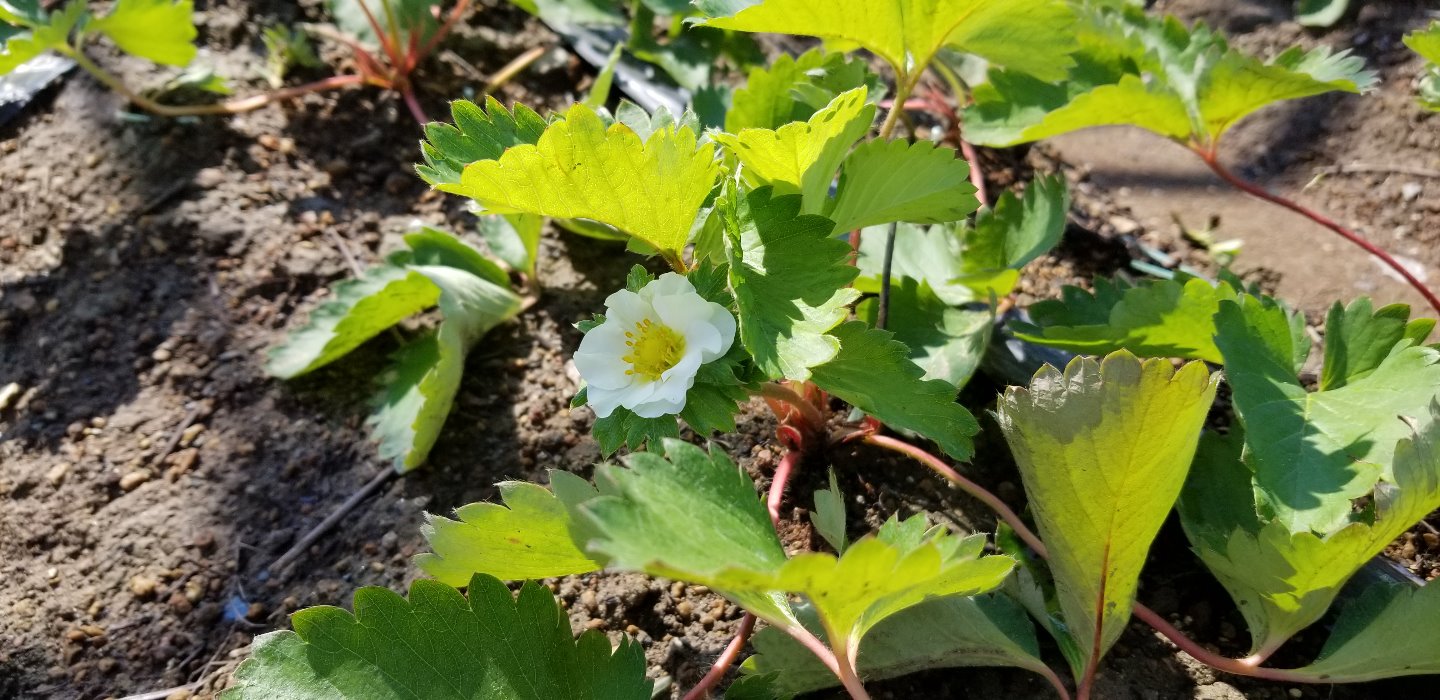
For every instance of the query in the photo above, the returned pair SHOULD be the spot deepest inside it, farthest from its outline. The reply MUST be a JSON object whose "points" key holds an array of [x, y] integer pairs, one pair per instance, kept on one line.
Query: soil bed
{"points": [[149, 471]]}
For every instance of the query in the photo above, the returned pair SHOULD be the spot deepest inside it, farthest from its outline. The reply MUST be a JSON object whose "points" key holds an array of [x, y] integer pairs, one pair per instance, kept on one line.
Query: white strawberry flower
{"points": [[646, 354]]}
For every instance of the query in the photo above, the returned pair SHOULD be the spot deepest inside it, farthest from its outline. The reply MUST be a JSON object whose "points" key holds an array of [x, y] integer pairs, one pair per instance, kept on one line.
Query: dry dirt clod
{"points": [[143, 586], [133, 480], [56, 475]]}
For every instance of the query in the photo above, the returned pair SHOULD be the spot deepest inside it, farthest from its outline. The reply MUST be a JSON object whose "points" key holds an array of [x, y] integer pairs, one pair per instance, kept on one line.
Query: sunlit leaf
{"points": [[885, 181], [874, 373], [527, 538], [1313, 452], [802, 157], [477, 134], [160, 30], [789, 278], [1103, 450], [441, 645], [794, 88], [651, 189], [1284, 581], [1389, 629]]}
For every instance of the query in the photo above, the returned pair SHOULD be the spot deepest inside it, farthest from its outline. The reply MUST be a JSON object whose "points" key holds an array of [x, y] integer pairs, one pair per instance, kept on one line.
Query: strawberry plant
{"points": [[851, 281], [1427, 43], [390, 38]]}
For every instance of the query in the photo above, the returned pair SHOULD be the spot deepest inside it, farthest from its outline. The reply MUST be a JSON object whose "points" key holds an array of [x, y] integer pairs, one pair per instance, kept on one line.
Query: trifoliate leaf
{"points": [[1283, 581], [431, 246], [1103, 450], [477, 134], [160, 30], [402, 21], [945, 341], [1161, 318], [885, 181], [417, 397], [360, 309], [514, 238], [651, 189], [794, 88], [873, 372], [1425, 42], [802, 157], [789, 278], [622, 428], [985, 630], [879, 576], [527, 538], [829, 515], [1032, 36], [1312, 453], [1320, 13], [1188, 85], [440, 645], [702, 494], [46, 32], [1357, 340], [1389, 629]]}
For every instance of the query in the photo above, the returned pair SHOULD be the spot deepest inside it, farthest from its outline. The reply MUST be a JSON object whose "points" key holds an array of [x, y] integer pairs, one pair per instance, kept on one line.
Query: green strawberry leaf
{"points": [[45, 32], [160, 30], [1320, 13], [794, 88], [728, 528], [829, 515], [430, 246], [874, 373], [1313, 452], [1425, 42], [789, 278], [622, 428], [359, 310], [1357, 339], [802, 157], [514, 238], [439, 644], [1188, 85], [1283, 581], [406, 22], [1018, 230], [1103, 450], [1033, 37], [885, 181], [587, 13], [1389, 629], [651, 189], [951, 632], [932, 254], [945, 341], [421, 387], [527, 538], [477, 134], [1160, 318]]}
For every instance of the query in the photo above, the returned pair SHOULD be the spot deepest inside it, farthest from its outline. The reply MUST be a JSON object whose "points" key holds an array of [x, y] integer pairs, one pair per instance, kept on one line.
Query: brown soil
{"points": [[146, 265]]}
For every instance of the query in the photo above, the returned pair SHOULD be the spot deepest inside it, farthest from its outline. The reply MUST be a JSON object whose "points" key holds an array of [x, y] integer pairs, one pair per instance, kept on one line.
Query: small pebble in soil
{"points": [[143, 586], [133, 480]]}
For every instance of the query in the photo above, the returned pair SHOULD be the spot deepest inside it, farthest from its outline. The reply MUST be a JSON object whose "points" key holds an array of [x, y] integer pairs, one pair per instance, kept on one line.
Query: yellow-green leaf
{"points": [[1103, 450], [802, 157], [579, 169], [160, 30]]}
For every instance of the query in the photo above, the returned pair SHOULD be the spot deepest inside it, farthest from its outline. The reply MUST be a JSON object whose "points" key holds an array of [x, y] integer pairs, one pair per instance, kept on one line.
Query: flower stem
{"points": [[244, 104], [726, 660], [1211, 158], [904, 85], [811, 415], [882, 311], [975, 490]]}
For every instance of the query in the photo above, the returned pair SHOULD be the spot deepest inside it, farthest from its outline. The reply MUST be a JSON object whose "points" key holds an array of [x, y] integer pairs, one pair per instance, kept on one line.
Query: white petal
{"points": [[628, 308], [681, 310], [655, 409], [724, 323], [684, 370], [668, 284], [702, 338], [603, 401], [598, 358]]}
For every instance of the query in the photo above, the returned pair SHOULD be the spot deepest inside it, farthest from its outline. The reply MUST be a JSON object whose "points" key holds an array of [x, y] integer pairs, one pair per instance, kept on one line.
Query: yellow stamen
{"points": [[655, 348]]}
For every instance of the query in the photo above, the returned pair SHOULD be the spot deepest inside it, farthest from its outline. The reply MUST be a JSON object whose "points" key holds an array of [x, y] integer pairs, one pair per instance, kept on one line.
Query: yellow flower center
{"points": [[654, 348]]}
